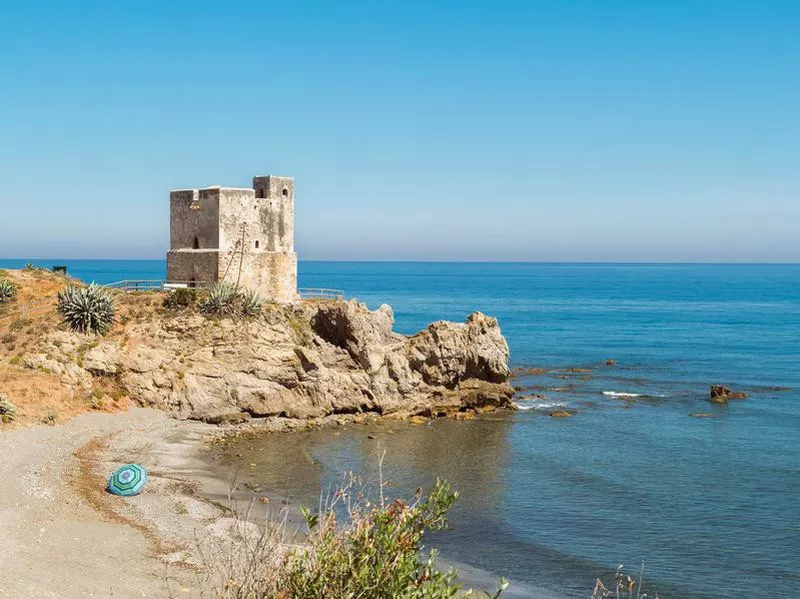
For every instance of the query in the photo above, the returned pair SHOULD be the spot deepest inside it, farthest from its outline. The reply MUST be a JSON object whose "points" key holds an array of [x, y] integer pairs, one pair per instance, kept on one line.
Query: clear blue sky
{"points": [[532, 130]]}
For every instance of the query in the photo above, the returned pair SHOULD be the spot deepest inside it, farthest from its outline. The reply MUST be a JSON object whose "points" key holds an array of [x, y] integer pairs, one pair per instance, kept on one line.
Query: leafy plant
{"points": [[86, 309], [8, 410], [225, 299], [220, 301], [8, 290], [251, 303], [29, 266], [180, 299], [375, 552]]}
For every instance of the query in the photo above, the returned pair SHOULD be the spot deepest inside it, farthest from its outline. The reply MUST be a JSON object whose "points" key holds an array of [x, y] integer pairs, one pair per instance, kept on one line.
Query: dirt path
{"points": [[61, 535]]}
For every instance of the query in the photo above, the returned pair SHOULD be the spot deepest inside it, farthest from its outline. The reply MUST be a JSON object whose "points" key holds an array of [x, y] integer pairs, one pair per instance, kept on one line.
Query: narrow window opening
{"points": [[196, 243], [256, 243], [285, 192], [260, 192]]}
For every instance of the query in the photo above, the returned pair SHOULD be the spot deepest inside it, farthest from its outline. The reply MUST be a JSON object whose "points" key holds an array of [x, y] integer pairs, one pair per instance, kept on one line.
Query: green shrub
{"points": [[8, 290], [225, 299], [376, 552], [8, 410], [251, 303], [180, 299], [29, 266], [86, 309], [220, 301]]}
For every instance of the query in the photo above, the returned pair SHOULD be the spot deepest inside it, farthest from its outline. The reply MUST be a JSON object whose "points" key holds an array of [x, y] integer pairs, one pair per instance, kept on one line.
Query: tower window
{"points": [[256, 243], [196, 243], [285, 192]]}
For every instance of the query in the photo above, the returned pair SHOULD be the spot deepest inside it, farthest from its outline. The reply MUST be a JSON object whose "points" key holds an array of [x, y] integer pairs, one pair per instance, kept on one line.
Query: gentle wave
{"points": [[538, 405], [624, 394]]}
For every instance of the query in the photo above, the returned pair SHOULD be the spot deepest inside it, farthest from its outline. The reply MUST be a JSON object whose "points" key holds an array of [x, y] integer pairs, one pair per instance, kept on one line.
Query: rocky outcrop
{"points": [[304, 361], [721, 394]]}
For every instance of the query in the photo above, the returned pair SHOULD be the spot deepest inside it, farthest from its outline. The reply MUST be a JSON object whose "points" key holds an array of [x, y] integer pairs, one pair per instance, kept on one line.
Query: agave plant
{"points": [[251, 303], [86, 309], [7, 409], [7, 290], [221, 300], [29, 266]]}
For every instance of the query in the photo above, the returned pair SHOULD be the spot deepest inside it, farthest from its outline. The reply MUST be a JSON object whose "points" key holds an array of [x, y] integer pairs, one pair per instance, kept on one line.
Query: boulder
{"points": [[721, 394]]}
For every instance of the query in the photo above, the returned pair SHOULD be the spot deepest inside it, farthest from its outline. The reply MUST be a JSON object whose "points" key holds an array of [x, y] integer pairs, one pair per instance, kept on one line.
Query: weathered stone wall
{"points": [[194, 217], [273, 274], [200, 266]]}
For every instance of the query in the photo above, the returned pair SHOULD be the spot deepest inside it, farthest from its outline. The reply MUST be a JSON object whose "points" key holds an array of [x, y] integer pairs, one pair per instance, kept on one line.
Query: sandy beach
{"points": [[64, 536]]}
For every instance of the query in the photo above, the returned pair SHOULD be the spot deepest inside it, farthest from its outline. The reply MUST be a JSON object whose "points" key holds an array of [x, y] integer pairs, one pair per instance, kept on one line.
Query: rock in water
{"points": [[721, 394]]}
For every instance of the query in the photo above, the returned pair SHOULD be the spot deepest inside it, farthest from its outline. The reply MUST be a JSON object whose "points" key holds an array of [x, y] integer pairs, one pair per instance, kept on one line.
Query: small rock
{"points": [[610, 362], [417, 420], [560, 414], [370, 436], [263, 499], [721, 394], [464, 416]]}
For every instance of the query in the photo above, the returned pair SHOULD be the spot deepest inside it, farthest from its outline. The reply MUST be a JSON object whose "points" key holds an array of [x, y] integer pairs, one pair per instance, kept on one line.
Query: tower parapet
{"points": [[237, 235]]}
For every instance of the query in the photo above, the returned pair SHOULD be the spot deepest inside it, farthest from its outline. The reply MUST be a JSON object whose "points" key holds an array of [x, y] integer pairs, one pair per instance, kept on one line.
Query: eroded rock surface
{"points": [[304, 361]]}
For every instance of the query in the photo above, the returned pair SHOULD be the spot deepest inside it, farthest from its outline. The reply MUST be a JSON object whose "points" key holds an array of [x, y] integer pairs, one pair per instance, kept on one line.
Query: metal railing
{"points": [[320, 293], [23, 311]]}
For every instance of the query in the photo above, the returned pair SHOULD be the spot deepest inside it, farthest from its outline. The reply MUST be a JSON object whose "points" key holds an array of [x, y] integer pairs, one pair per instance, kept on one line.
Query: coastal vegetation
{"points": [[354, 547], [87, 309], [8, 290], [225, 299]]}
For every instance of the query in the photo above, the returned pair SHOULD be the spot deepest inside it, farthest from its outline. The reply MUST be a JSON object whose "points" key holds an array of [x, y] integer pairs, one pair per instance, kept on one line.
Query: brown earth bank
{"points": [[308, 360]]}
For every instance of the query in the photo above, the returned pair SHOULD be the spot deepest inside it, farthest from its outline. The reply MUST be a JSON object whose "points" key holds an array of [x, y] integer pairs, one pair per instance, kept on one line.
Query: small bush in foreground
{"points": [[180, 299], [8, 410], [8, 290], [86, 309], [355, 548]]}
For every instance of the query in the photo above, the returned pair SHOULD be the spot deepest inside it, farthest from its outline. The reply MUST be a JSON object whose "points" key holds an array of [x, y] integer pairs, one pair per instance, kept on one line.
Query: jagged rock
{"points": [[721, 394], [307, 361]]}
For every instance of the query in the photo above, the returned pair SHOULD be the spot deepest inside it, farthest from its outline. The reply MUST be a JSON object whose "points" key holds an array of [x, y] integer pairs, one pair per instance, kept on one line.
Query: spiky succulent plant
{"points": [[221, 300], [86, 309], [7, 290], [7, 409], [251, 303]]}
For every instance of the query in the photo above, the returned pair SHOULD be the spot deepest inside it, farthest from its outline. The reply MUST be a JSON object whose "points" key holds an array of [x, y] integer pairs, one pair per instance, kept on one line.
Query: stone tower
{"points": [[235, 235]]}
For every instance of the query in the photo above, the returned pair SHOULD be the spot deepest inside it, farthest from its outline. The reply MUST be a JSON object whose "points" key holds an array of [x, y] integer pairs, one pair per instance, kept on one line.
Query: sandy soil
{"points": [[64, 536]]}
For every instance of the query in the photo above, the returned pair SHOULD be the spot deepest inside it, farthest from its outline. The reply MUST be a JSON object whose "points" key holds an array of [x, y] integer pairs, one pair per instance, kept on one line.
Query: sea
{"points": [[704, 499]]}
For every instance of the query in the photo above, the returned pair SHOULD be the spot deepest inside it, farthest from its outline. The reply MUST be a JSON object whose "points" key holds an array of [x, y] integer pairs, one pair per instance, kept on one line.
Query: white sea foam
{"points": [[541, 405], [624, 394]]}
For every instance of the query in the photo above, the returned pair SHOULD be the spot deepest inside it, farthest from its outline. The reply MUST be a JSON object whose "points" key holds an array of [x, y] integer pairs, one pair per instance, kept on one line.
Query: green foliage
{"points": [[375, 553], [8, 410], [251, 303], [8, 290], [29, 266], [86, 309], [225, 299], [220, 301], [180, 299], [49, 418]]}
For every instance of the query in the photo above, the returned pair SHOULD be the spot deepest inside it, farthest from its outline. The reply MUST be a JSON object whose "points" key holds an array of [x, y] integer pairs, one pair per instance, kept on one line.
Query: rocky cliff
{"points": [[304, 361]]}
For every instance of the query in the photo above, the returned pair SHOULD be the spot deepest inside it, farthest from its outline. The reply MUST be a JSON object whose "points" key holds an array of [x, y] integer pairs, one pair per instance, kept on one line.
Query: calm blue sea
{"points": [[711, 505]]}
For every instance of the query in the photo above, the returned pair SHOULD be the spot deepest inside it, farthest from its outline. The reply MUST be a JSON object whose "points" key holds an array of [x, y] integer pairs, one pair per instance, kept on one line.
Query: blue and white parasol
{"points": [[127, 480]]}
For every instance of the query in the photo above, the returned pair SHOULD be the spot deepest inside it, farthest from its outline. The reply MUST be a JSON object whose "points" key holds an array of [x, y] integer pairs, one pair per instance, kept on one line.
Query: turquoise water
{"points": [[710, 504]]}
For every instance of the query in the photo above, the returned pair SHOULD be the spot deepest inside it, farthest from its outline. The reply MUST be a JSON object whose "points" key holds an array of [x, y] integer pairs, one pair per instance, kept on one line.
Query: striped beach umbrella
{"points": [[127, 480]]}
